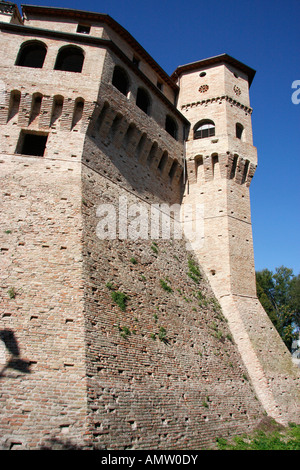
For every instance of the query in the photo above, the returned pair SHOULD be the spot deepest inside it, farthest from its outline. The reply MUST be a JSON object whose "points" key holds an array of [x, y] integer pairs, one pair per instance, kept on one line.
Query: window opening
{"points": [[136, 61], [120, 80], [143, 100], [83, 29], [239, 131], [159, 85], [70, 59], [32, 144], [204, 129], [171, 126], [32, 55]]}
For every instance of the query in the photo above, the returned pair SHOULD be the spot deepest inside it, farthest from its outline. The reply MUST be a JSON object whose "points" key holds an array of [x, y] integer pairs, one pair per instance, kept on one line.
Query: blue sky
{"points": [[265, 35]]}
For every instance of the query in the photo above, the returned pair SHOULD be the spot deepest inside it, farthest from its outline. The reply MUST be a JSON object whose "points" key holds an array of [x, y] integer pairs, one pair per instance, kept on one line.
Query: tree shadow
{"points": [[15, 362]]}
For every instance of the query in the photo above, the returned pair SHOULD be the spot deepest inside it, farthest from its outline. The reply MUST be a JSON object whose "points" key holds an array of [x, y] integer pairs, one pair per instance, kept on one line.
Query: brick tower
{"points": [[221, 161]]}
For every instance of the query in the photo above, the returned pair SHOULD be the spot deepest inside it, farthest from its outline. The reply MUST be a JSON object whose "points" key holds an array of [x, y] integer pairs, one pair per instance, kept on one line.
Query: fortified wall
{"points": [[124, 341]]}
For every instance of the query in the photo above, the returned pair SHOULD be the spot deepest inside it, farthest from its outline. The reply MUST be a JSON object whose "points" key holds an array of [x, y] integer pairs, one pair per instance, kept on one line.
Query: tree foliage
{"points": [[279, 294]]}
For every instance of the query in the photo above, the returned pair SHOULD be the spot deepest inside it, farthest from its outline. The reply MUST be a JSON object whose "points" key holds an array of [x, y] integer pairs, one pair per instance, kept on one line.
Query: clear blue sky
{"points": [[265, 35]]}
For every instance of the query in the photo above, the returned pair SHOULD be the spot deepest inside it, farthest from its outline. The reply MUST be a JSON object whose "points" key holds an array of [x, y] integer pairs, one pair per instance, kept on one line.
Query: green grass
{"points": [[165, 286], [287, 438], [12, 292], [194, 272], [120, 299]]}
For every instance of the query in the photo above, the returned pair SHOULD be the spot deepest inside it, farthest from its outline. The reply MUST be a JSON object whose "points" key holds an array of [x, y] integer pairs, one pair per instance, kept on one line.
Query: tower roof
{"points": [[222, 58]]}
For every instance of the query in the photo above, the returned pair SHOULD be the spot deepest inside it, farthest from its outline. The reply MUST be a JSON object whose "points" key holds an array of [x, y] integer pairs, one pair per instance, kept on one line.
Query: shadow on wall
{"points": [[12, 354]]}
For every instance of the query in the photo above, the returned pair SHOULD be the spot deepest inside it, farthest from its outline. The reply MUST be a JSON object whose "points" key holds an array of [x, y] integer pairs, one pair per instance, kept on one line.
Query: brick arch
{"points": [[32, 54]]}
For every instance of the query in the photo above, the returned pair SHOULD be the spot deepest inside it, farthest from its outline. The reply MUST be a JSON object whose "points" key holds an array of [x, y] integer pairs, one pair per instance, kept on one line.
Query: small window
{"points": [[83, 29], [120, 80], [204, 129], [32, 54], [31, 143], [136, 61], [159, 85], [171, 126], [239, 129], [70, 59], [143, 100]]}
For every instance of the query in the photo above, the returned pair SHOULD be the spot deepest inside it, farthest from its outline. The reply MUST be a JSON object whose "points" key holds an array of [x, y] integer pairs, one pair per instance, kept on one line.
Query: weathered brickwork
{"points": [[190, 354]]}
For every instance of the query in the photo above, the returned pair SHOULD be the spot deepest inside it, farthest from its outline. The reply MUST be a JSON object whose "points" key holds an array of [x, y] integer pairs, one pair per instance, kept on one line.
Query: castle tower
{"points": [[221, 161]]}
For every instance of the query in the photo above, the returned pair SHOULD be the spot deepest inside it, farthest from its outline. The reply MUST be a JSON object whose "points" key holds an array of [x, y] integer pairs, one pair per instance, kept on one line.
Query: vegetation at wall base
{"points": [[271, 436], [279, 294]]}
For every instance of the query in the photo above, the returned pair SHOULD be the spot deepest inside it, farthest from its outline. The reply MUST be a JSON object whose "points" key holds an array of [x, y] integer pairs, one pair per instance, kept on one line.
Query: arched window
{"points": [[70, 59], [32, 54], [204, 128], [171, 126], [143, 100], [239, 129], [120, 80]]}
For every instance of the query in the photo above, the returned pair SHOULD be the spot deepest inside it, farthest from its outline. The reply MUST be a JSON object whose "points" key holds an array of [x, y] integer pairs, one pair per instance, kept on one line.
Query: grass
{"points": [[194, 272], [12, 292], [162, 335], [165, 286], [120, 299], [275, 438]]}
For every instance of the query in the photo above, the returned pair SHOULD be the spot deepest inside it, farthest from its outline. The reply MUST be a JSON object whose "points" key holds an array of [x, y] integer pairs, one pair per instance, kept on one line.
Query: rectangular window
{"points": [[159, 86], [32, 143], [135, 60], [83, 29]]}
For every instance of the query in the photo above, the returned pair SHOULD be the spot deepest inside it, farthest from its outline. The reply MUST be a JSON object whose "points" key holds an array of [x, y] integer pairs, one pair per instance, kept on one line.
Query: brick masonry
{"points": [[77, 370]]}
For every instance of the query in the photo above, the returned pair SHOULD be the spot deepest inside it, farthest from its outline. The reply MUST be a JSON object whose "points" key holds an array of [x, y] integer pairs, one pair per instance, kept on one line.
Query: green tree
{"points": [[279, 294]]}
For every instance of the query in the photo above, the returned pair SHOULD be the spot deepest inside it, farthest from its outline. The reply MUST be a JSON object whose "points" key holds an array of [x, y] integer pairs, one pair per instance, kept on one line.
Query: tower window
{"points": [[83, 29], [32, 143], [159, 85], [239, 129], [70, 59], [204, 129], [120, 80], [136, 60], [143, 100], [171, 126], [32, 54]]}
